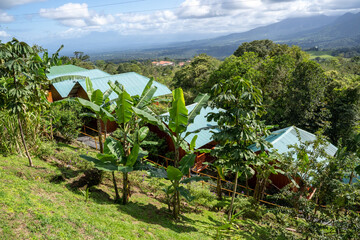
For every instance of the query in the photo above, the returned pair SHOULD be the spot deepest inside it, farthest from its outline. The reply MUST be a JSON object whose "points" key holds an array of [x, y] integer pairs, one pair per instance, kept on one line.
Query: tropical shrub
{"points": [[66, 120]]}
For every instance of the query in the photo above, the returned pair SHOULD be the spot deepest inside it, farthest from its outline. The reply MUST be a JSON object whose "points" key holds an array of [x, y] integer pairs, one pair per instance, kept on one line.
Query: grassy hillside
{"points": [[320, 54], [38, 203]]}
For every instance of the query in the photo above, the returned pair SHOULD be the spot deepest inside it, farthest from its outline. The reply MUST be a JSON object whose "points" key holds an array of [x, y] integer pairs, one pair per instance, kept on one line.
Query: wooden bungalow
{"points": [[281, 141], [204, 139], [133, 83]]}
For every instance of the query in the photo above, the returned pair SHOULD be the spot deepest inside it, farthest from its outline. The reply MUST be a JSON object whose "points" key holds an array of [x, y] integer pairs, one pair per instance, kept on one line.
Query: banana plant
{"points": [[179, 120], [132, 134], [115, 158], [100, 107]]}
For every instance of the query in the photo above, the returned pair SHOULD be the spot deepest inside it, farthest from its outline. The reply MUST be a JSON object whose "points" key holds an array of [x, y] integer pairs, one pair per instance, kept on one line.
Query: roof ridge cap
{"points": [[282, 135]]}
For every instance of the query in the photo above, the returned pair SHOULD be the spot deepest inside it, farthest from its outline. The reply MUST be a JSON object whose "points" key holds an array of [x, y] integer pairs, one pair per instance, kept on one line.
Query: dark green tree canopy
{"points": [[193, 78]]}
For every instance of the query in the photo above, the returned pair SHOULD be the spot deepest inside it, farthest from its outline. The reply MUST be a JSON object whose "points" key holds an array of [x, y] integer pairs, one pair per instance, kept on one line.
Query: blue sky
{"points": [[89, 24]]}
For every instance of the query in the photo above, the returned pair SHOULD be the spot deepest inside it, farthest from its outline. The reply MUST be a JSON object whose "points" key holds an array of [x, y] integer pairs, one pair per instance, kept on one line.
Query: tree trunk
{"points": [[218, 187], [247, 185], [233, 197], [23, 141], [117, 196], [126, 188], [351, 177], [176, 201], [99, 134], [105, 129], [257, 189], [51, 129]]}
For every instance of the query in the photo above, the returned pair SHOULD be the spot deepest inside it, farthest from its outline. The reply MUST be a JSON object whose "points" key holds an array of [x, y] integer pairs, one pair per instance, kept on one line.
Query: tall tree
{"points": [[25, 74], [193, 77], [239, 124]]}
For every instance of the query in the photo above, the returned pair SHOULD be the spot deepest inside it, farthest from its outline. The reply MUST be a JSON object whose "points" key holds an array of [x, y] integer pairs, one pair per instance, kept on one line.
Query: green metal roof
{"points": [[92, 74], [64, 69], [283, 138], [133, 83], [201, 122], [64, 87]]}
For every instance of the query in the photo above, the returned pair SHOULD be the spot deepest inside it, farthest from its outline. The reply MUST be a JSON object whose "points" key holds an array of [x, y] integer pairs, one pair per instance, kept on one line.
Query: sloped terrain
{"points": [[39, 203]]}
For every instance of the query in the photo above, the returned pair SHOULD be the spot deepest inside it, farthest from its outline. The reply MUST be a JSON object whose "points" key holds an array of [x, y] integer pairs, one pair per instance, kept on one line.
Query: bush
{"points": [[45, 150], [66, 121], [202, 195]]}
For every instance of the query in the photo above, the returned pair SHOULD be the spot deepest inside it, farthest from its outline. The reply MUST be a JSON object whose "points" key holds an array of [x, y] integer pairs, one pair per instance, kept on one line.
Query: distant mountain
{"points": [[322, 31], [343, 32]]}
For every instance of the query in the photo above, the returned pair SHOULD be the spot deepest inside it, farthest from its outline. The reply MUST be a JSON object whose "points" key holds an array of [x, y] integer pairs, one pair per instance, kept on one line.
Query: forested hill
{"points": [[343, 32], [307, 32]]}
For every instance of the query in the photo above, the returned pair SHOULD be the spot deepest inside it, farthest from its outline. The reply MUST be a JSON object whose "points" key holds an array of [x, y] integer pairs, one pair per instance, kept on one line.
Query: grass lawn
{"points": [[32, 206], [320, 54]]}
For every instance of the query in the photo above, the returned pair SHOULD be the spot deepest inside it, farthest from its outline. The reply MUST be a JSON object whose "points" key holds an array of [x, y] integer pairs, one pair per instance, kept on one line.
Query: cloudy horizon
{"points": [[141, 21]]}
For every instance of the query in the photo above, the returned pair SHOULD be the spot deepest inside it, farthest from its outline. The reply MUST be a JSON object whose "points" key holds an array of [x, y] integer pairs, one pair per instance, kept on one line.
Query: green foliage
{"points": [[10, 138], [59, 212], [193, 77], [178, 123], [66, 120], [202, 195], [263, 48]]}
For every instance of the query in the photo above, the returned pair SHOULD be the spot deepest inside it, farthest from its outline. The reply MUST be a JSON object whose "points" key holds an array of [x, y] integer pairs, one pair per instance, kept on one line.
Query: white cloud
{"points": [[4, 17], [76, 15], [4, 34], [66, 11], [194, 16], [101, 20], [5, 4]]}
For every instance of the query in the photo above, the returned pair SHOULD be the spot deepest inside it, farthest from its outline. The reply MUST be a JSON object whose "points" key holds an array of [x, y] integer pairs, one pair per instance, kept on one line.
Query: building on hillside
{"points": [[204, 139], [133, 83], [281, 141], [163, 63]]}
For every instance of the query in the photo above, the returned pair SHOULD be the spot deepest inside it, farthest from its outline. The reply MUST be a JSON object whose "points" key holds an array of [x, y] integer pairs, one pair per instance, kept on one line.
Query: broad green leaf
{"points": [[201, 101], [124, 169], [186, 163], [220, 171], [131, 159], [193, 142], [184, 145], [173, 173], [146, 98], [105, 166], [107, 158], [150, 119], [186, 194], [178, 119], [90, 105], [97, 97], [89, 87], [158, 173], [105, 115], [107, 93], [142, 133], [124, 108], [148, 86], [116, 87], [114, 147]]}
